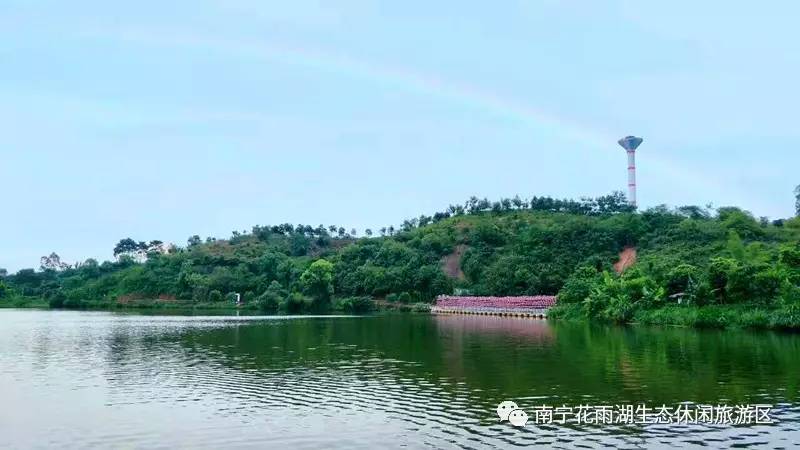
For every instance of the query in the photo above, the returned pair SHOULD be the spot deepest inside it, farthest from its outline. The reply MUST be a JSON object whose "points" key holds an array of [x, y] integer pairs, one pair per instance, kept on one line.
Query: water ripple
{"points": [[100, 380]]}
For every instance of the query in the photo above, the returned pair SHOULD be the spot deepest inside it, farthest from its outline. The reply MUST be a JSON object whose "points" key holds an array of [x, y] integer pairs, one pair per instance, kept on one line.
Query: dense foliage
{"points": [[698, 270], [688, 257]]}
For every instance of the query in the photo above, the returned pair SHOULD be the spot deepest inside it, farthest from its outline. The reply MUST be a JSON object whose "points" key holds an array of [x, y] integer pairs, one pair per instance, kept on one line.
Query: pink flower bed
{"points": [[522, 302]]}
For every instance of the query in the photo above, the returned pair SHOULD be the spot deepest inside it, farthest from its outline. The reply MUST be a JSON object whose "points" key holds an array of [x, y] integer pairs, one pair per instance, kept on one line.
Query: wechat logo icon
{"points": [[509, 411]]}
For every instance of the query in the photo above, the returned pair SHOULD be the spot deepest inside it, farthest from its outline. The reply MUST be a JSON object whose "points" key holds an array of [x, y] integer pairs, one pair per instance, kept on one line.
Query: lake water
{"points": [[109, 380]]}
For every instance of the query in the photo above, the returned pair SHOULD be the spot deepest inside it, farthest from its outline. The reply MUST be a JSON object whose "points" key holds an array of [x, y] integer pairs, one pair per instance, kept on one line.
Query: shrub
{"points": [[296, 303], [57, 300], [789, 294], [566, 311], [788, 317], [680, 279], [270, 300], [766, 285], [74, 303], [617, 299], [720, 270], [756, 319], [748, 283], [420, 307], [709, 317], [595, 303], [200, 293], [355, 304], [579, 285], [790, 256], [698, 294], [215, 296], [619, 310], [642, 291]]}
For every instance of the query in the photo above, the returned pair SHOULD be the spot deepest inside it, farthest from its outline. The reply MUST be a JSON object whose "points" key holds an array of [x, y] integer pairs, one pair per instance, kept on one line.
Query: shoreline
{"points": [[720, 317], [188, 306]]}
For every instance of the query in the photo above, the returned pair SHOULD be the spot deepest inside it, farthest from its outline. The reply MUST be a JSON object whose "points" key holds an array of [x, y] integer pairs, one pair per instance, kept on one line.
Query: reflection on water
{"points": [[85, 379], [528, 330]]}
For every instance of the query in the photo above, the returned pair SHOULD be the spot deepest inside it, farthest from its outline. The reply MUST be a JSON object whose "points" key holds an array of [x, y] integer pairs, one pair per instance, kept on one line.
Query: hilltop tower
{"points": [[630, 144]]}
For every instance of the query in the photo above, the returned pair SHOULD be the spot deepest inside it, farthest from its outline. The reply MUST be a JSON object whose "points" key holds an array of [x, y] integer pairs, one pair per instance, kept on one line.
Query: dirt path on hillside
{"points": [[452, 263]]}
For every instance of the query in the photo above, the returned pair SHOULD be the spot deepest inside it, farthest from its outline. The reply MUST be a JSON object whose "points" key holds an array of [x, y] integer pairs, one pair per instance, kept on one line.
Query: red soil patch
{"points": [[627, 258], [451, 264]]}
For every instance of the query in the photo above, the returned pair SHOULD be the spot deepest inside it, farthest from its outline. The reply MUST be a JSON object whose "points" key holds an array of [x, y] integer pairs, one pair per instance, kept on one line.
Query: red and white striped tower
{"points": [[630, 144]]}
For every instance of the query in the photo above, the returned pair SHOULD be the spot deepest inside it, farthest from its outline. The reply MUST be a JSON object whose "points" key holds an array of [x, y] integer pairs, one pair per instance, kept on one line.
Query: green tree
{"points": [[215, 296], [511, 247], [357, 305], [735, 246], [579, 285], [790, 257], [270, 300], [296, 303], [720, 272], [57, 300], [128, 246], [317, 281], [742, 222], [52, 262]]}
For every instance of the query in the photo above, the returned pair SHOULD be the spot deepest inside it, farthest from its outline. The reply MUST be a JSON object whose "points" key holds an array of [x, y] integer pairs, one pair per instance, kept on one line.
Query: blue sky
{"points": [[159, 120]]}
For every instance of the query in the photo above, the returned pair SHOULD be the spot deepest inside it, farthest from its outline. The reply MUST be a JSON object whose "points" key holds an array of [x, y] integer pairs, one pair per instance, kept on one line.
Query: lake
{"points": [[112, 380]]}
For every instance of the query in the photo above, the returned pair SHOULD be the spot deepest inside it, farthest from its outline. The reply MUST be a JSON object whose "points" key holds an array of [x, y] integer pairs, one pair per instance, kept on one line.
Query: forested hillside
{"points": [[687, 256]]}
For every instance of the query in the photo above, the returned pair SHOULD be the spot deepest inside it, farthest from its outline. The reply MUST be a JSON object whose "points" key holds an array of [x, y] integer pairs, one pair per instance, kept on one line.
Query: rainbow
{"points": [[587, 137], [402, 78], [459, 93]]}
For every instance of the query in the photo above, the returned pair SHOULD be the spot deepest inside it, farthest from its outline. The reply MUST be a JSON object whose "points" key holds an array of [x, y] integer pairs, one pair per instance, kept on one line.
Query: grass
{"points": [[717, 316], [567, 312]]}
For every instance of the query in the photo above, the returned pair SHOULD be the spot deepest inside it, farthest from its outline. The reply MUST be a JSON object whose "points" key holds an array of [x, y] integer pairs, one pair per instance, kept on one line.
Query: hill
{"points": [[687, 257]]}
